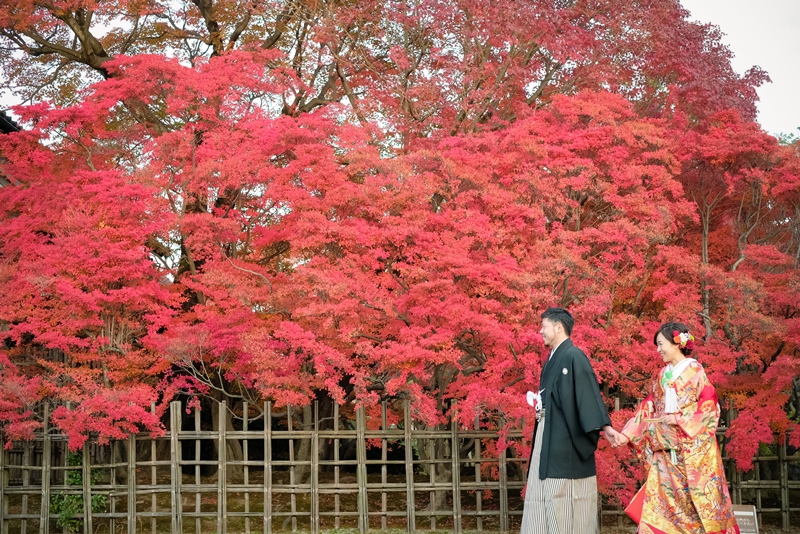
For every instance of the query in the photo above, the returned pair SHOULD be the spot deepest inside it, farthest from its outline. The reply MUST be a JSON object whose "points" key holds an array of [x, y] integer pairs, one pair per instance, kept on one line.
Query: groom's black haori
{"points": [[574, 415], [561, 492]]}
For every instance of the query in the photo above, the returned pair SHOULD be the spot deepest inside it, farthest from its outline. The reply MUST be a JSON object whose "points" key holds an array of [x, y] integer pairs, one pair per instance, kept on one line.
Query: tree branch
{"points": [[250, 272]]}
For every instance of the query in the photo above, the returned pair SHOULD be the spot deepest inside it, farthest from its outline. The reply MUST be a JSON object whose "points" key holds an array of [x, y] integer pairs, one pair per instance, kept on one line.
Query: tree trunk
{"points": [[705, 215], [438, 449], [303, 450]]}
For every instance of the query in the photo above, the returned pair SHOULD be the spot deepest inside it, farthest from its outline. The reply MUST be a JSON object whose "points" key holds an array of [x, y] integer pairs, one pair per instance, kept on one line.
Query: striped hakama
{"points": [[558, 505]]}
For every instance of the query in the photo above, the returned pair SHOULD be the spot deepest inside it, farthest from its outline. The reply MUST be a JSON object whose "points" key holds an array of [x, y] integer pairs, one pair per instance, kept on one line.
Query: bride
{"points": [[674, 429]]}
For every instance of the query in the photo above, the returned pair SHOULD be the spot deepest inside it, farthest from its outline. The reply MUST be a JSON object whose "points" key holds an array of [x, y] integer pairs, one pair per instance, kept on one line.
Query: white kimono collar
{"points": [[670, 395], [678, 369]]}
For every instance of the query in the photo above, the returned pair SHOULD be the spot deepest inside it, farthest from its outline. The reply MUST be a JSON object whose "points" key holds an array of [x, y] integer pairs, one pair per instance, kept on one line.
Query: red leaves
{"points": [[108, 415], [747, 431], [173, 233], [19, 395]]}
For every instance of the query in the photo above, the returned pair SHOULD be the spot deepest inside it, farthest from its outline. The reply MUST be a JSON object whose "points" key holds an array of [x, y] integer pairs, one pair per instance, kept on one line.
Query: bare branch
{"points": [[250, 272]]}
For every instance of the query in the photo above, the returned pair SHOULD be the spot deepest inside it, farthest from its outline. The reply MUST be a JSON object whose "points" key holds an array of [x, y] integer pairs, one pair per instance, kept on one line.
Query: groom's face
{"points": [[549, 330]]}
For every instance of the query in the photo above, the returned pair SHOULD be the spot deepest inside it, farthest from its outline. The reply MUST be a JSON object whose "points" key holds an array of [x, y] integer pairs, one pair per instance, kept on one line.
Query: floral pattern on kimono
{"points": [[685, 490]]}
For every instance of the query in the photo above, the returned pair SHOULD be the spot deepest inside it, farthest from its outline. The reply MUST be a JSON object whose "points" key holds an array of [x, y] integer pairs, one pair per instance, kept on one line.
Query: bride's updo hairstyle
{"points": [[677, 334]]}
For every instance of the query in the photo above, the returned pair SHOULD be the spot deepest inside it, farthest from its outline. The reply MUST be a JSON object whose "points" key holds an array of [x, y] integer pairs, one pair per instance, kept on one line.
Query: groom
{"points": [[561, 495]]}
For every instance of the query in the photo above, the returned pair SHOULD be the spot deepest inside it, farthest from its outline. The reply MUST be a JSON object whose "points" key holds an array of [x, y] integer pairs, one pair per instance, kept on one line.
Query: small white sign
{"points": [[746, 517]]}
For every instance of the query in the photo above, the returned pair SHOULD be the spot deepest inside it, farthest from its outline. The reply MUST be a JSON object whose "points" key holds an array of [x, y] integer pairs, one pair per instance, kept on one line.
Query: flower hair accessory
{"points": [[684, 340]]}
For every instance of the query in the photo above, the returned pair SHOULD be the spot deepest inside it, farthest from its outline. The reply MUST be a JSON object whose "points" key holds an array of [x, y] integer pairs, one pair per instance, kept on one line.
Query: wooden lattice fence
{"points": [[185, 481], [171, 489]]}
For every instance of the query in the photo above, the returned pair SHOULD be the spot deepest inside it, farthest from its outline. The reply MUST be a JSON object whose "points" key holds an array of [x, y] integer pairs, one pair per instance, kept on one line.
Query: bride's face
{"points": [[669, 351]]}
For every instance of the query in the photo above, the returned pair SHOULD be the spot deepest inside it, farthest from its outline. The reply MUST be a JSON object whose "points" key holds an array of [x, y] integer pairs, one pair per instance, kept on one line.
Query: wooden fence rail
{"points": [[271, 477]]}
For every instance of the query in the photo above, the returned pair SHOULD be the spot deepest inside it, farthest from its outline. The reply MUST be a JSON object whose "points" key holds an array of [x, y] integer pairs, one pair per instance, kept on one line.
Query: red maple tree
{"points": [[369, 200]]}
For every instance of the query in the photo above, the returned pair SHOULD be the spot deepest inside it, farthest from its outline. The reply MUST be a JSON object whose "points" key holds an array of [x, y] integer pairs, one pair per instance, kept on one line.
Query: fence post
{"points": [[222, 472], [246, 467], [337, 522], [267, 467], [361, 470], [3, 477], [384, 471], [455, 454], [27, 447], [315, 472], [87, 491], [44, 522], [132, 484], [784, 474], [175, 456], [478, 498], [292, 469], [409, 449], [503, 482]]}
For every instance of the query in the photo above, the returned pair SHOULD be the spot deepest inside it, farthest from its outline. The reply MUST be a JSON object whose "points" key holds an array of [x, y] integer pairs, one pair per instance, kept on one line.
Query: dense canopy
{"points": [[375, 199]]}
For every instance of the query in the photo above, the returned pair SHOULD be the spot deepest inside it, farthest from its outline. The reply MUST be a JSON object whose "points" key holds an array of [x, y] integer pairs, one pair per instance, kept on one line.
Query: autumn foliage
{"points": [[371, 200]]}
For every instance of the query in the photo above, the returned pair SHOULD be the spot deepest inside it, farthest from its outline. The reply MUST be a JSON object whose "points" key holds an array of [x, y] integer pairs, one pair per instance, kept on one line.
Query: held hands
{"points": [[617, 439], [622, 439]]}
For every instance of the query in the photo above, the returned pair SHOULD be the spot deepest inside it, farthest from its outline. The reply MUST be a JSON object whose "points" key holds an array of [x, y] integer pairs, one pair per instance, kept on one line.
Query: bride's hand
{"points": [[670, 419]]}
